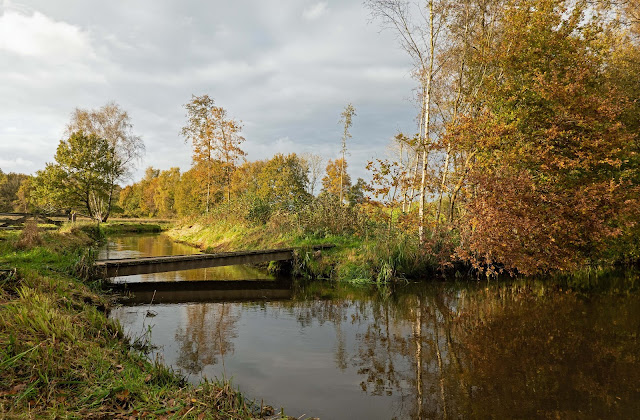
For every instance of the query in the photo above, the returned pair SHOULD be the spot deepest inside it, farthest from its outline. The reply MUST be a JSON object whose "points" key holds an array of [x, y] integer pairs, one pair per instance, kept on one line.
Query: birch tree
{"points": [[112, 123], [346, 119], [417, 26]]}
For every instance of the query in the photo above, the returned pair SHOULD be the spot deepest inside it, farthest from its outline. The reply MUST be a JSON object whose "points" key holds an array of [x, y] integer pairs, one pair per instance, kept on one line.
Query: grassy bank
{"points": [[363, 255], [370, 253], [125, 227], [60, 356]]}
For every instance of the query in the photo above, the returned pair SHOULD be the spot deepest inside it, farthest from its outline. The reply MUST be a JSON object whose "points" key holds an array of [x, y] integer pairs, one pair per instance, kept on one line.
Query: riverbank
{"points": [[370, 257], [116, 228], [372, 253], [60, 355]]}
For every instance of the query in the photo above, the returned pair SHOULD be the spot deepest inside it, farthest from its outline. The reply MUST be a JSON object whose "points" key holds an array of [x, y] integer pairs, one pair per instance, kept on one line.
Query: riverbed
{"points": [[420, 350]]}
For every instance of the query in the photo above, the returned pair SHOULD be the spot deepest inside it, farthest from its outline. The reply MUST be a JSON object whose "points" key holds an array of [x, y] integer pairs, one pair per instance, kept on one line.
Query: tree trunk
{"points": [[415, 174], [466, 169], [427, 122], [445, 173], [109, 203], [423, 188]]}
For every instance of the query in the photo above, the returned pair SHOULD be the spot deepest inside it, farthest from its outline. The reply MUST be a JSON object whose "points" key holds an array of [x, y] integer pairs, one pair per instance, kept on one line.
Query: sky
{"points": [[285, 68]]}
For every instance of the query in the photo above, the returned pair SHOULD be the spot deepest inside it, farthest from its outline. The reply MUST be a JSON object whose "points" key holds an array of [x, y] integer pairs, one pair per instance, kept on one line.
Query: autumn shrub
{"points": [[555, 172], [30, 236], [326, 215]]}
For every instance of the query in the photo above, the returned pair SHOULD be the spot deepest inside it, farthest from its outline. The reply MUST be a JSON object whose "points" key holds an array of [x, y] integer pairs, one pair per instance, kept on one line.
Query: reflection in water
{"points": [[154, 245], [422, 351], [207, 335]]}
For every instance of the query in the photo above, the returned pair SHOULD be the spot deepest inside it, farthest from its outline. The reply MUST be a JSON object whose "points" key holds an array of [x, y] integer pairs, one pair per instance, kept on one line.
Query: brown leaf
{"points": [[13, 391], [122, 396]]}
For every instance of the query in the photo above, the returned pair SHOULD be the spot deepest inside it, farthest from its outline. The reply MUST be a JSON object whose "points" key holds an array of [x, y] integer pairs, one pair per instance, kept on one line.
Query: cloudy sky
{"points": [[286, 68]]}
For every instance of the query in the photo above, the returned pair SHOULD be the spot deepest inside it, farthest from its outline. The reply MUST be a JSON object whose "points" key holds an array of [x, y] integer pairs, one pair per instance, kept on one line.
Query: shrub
{"points": [[30, 236]]}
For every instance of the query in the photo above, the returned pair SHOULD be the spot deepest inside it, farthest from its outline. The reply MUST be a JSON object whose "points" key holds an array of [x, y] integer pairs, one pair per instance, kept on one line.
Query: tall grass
{"points": [[60, 356], [367, 250]]}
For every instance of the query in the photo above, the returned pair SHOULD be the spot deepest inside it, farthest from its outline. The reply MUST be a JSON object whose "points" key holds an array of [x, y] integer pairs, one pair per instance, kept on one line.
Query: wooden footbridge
{"points": [[18, 219], [146, 265]]}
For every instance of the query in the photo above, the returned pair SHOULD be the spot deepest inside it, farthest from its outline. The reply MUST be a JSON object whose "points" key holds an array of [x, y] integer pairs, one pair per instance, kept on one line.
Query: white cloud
{"points": [[15, 165], [316, 11], [286, 78], [38, 36]]}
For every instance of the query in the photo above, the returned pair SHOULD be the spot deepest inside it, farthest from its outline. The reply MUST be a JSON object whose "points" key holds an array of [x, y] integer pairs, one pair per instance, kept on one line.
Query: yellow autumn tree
{"points": [[335, 183], [216, 143]]}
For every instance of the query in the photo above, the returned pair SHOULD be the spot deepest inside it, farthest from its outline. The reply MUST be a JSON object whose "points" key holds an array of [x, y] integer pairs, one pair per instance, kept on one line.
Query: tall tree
{"points": [[555, 179], [214, 137], [418, 27], [283, 182], [346, 119], [188, 199], [80, 178], [314, 165], [112, 123], [24, 196], [9, 187], [164, 195]]}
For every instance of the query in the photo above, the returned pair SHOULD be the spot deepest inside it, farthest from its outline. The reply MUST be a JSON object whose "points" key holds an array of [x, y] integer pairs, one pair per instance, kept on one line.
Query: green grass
{"points": [[381, 257], [60, 356], [114, 228]]}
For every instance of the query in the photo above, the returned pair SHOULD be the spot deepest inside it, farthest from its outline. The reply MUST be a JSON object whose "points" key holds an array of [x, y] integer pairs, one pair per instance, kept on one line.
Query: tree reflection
{"points": [[206, 337], [442, 351], [555, 355], [506, 351]]}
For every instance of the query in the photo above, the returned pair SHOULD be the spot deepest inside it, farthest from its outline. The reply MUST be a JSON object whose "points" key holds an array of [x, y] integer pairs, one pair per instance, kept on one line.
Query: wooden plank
{"points": [[199, 285], [13, 222], [177, 295], [35, 214], [50, 221], [23, 217], [148, 265], [185, 262], [204, 290]]}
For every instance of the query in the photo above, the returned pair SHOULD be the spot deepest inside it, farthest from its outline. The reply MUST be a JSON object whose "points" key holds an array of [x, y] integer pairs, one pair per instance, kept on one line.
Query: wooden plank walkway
{"points": [[147, 265], [16, 219], [204, 290]]}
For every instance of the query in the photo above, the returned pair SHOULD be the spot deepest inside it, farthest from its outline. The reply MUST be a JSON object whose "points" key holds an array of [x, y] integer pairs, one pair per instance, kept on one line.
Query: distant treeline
{"points": [[280, 183]]}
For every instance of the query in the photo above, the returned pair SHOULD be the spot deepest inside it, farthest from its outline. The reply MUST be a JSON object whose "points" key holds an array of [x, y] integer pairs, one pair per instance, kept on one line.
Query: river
{"points": [[422, 350]]}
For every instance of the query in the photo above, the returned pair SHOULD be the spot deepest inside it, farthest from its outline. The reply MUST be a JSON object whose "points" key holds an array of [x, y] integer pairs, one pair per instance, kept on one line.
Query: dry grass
{"points": [[30, 236]]}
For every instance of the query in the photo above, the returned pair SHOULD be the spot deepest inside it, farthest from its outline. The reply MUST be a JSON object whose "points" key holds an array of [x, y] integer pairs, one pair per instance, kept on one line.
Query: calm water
{"points": [[153, 245], [417, 351]]}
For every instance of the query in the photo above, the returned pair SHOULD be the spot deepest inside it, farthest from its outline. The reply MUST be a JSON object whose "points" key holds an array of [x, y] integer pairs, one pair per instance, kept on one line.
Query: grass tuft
{"points": [[29, 236]]}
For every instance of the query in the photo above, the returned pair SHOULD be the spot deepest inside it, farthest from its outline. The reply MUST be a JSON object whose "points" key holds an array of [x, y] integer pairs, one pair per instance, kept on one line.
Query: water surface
{"points": [[427, 350], [421, 352]]}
